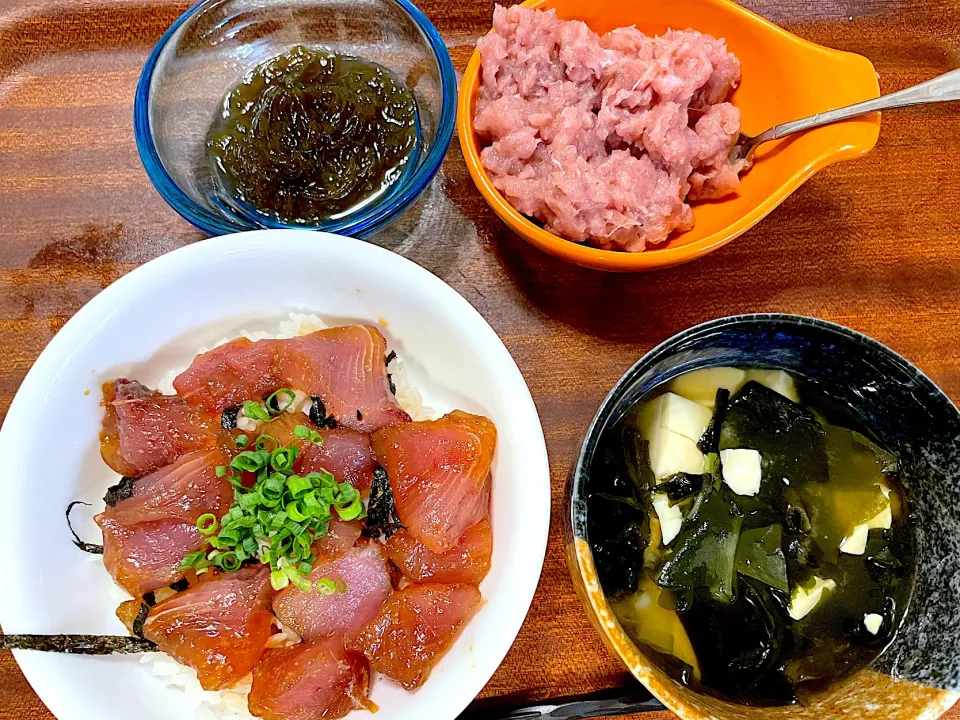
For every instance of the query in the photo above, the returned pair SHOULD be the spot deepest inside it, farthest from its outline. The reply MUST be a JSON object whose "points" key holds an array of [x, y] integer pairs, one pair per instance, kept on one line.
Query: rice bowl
{"points": [[126, 331]]}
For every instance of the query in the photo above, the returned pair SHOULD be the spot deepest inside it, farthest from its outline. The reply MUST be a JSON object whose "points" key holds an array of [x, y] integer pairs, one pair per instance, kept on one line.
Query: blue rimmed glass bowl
{"points": [[209, 48]]}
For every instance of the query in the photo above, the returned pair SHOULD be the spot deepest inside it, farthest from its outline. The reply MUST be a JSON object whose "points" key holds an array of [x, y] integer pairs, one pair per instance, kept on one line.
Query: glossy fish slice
{"points": [[439, 471], [467, 562], [219, 627], [344, 366], [147, 555], [341, 536], [415, 627], [312, 615], [310, 681], [144, 430], [182, 491]]}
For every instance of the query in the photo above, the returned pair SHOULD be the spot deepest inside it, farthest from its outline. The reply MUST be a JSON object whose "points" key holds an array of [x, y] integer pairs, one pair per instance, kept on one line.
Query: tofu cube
{"points": [[669, 516], [872, 622], [672, 426], [804, 599], [741, 470], [856, 542], [701, 385], [776, 380]]}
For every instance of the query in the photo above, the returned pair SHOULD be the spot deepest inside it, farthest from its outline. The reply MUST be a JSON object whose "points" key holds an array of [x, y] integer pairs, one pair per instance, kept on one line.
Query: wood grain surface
{"points": [[873, 244]]}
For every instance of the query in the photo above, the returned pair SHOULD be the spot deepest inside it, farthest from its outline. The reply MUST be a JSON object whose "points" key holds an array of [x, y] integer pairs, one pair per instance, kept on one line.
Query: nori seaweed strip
{"points": [[150, 599], [85, 546], [141, 618], [382, 518], [180, 585], [710, 442], [391, 356], [318, 414], [121, 491], [228, 418], [78, 644], [359, 415]]}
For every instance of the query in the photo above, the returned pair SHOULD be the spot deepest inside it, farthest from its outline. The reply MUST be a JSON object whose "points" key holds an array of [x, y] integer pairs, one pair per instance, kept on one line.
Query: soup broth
{"points": [[750, 534]]}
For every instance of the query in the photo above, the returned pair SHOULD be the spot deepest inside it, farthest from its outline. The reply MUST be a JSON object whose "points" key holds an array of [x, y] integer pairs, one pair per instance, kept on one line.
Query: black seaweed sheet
{"points": [[78, 644], [382, 518]]}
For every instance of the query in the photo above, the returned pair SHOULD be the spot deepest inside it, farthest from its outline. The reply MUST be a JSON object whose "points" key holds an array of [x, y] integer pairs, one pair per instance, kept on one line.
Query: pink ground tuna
{"points": [[604, 138]]}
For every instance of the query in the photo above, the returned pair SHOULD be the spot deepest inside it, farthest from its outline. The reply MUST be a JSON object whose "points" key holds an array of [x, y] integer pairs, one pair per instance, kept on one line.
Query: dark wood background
{"points": [[873, 244]]}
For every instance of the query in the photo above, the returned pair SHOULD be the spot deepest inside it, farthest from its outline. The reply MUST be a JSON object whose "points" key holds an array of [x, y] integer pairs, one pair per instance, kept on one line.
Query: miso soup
{"points": [[750, 534]]}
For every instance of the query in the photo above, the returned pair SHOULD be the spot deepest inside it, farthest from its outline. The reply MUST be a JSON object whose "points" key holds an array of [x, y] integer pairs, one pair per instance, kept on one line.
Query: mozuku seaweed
{"points": [[78, 644], [382, 518], [121, 491], [91, 548]]}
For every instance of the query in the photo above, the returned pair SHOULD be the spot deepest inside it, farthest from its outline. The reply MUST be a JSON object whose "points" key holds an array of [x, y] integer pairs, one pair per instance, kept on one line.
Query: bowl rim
{"points": [[660, 258], [580, 553], [158, 272], [363, 225]]}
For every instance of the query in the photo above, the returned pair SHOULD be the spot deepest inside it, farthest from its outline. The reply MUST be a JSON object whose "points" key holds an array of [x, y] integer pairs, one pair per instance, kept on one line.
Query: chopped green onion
{"points": [[326, 586], [273, 401], [220, 470], [279, 579], [267, 440], [341, 586], [228, 561], [298, 486], [207, 524], [303, 432], [294, 512], [352, 511], [255, 411], [249, 461], [242, 441], [282, 459]]}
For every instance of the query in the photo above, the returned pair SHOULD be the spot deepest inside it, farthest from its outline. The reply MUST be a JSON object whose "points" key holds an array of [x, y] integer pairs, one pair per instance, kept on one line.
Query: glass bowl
{"points": [[213, 45]]}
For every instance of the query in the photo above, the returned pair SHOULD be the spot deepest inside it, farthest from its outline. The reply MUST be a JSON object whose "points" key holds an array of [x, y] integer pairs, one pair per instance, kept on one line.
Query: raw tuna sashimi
{"points": [[440, 474], [345, 367], [310, 681], [345, 453], [182, 491], [230, 374], [312, 615], [147, 556], [219, 626], [468, 562], [144, 430], [341, 536], [414, 628]]}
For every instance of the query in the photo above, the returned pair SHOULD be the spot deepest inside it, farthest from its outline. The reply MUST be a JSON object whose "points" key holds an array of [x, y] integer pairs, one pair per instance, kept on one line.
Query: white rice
{"points": [[231, 704]]}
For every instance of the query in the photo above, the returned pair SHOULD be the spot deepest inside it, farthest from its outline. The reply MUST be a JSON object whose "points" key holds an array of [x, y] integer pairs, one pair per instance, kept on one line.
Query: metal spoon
{"points": [[628, 700], [940, 89]]}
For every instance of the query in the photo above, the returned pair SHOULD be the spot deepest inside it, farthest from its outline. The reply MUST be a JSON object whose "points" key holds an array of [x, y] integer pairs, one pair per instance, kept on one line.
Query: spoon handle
{"points": [[605, 703], [941, 89]]}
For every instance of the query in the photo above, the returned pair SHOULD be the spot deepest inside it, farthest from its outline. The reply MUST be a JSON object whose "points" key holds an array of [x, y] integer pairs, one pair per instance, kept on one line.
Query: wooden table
{"points": [[873, 244]]}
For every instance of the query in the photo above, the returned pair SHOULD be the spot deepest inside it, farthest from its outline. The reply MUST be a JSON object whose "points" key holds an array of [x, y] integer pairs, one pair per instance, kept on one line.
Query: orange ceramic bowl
{"points": [[783, 78]]}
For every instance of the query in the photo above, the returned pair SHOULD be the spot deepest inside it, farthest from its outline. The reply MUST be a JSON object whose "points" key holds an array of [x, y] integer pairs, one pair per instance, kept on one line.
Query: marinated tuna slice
{"points": [[147, 556], [310, 681], [414, 628], [182, 491], [440, 474], [345, 453], [468, 562], [219, 626], [144, 430], [311, 614], [346, 368], [341, 536], [230, 374]]}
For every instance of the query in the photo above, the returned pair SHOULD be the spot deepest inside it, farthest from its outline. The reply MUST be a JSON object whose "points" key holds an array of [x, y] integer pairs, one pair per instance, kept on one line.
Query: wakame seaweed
{"points": [[91, 548], [318, 414], [78, 644], [123, 490], [710, 442], [382, 518]]}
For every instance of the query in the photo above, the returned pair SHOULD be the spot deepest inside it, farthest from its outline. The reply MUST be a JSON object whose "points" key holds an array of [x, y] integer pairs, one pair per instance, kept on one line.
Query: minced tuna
{"points": [[604, 138]]}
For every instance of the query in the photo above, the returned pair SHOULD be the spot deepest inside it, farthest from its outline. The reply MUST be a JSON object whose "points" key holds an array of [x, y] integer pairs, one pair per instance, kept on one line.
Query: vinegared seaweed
{"points": [[121, 491], [78, 644], [382, 518], [91, 548], [310, 135]]}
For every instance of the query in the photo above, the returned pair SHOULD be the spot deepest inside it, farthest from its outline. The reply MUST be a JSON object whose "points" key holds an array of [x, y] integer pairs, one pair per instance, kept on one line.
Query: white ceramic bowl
{"points": [[154, 319]]}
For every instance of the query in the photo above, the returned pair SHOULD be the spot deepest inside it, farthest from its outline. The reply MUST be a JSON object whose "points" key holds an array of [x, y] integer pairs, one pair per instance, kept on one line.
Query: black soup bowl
{"points": [[918, 675]]}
